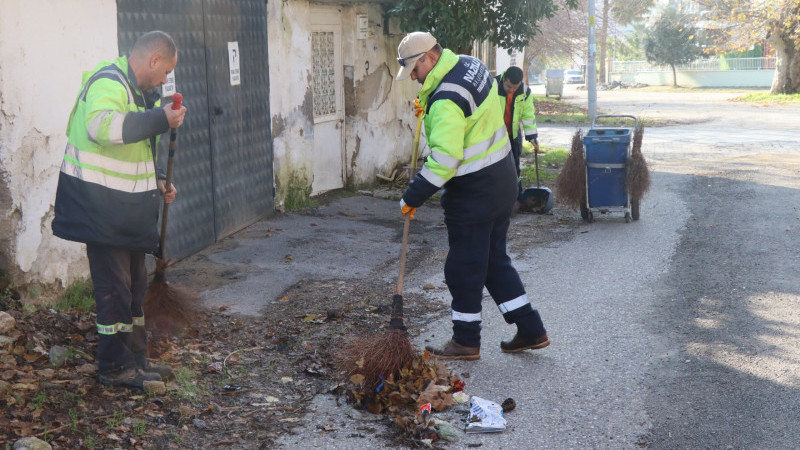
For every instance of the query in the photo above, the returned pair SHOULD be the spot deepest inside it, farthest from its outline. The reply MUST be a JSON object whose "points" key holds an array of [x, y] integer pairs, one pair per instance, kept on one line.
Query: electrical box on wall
{"points": [[362, 26]]}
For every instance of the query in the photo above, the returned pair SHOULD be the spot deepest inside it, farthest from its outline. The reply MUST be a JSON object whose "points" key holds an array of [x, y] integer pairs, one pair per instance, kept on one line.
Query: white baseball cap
{"points": [[411, 48]]}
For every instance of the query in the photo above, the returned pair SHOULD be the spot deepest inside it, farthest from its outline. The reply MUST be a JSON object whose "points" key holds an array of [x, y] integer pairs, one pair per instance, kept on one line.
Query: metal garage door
{"points": [[223, 165]]}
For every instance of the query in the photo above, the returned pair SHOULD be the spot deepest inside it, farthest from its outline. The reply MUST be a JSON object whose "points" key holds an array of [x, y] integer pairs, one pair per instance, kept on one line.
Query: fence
{"points": [[699, 65]]}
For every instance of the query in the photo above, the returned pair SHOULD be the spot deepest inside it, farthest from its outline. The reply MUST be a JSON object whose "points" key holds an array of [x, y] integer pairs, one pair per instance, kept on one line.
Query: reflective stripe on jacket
{"points": [[107, 191], [470, 151], [522, 109]]}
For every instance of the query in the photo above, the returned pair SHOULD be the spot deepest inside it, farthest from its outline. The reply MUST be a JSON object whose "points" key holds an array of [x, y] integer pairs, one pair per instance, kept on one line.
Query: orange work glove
{"points": [[408, 211], [418, 110], [535, 145]]}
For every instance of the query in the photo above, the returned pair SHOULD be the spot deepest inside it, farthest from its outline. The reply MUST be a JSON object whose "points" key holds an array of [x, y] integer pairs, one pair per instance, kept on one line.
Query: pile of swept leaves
{"points": [[419, 389]]}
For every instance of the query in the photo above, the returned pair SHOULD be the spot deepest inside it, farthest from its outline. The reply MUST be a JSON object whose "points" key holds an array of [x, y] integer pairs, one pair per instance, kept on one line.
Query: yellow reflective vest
{"points": [[470, 152], [107, 191], [523, 110]]}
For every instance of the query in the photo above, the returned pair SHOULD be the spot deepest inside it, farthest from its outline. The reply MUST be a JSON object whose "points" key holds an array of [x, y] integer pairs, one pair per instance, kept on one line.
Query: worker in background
{"points": [[518, 109], [108, 196], [471, 163]]}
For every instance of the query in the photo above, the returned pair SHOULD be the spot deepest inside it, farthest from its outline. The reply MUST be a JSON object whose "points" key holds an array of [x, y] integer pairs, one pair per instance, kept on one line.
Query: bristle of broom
{"points": [[376, 355], [170, 310], [571, 182], [637, 177]]}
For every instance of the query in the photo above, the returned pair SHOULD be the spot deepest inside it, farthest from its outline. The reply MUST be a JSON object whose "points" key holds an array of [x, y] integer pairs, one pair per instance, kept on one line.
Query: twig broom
{"points": [[168, 309], [384, 354]]}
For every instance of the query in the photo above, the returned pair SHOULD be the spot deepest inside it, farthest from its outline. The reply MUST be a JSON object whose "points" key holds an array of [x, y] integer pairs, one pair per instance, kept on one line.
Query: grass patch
{"points": [[187, 385], [78, 296], [552, 111], [671, 88], [554, 155], [298, 199], [766, 97]]}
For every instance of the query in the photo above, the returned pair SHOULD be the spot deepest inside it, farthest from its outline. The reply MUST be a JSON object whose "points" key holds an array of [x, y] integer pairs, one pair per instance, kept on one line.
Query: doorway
{"points": [[327, 83], [223, 161]]}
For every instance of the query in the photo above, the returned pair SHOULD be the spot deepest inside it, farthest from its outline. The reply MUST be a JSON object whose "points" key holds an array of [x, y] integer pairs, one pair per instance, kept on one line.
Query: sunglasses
{"points": [[402, 61]]}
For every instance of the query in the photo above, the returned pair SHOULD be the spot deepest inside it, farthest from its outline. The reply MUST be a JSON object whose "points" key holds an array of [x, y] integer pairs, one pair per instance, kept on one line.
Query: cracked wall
{"points": [[39, 78]]}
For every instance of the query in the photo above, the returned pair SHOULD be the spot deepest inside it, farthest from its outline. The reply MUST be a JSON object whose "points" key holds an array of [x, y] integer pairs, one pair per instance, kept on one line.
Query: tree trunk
{"points": [[674, 76], [787, 65], [604, 43]]}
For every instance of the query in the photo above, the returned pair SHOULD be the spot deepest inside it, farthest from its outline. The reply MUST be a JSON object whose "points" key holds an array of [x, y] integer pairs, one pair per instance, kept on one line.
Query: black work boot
{"points": [[520, 342], [453, 350], [130, 378], [162, 370]]}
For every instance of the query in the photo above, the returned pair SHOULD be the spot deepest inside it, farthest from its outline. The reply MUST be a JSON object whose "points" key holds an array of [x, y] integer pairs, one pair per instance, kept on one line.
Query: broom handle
{"points": [[536, 163], [407, 224], [177, 99]]}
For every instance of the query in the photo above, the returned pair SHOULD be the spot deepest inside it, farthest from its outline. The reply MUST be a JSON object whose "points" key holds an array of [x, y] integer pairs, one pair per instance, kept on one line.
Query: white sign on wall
{"points": [[168, 88], [233, 62], [362, 26]]}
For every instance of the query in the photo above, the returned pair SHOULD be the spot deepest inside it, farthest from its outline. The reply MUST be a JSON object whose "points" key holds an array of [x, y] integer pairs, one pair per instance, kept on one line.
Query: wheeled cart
{"points": [[606, 153]]}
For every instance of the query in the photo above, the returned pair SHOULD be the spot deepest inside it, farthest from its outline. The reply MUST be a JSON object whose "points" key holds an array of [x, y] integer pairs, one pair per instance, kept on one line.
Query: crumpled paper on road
{"points": [[484, 417]]}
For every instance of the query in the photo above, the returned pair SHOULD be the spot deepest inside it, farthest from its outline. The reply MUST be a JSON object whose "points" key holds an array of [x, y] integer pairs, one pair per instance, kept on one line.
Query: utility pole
{"points": [[591, 66]]}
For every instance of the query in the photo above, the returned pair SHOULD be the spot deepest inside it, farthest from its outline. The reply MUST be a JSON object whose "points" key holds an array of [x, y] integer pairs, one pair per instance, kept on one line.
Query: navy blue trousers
{"points": [[478, 259], [120, 284]]}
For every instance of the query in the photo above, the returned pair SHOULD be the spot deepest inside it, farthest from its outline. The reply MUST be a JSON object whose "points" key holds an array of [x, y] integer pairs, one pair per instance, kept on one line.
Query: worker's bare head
{"points": [[417, 53], [512, 79], [153, 56]]}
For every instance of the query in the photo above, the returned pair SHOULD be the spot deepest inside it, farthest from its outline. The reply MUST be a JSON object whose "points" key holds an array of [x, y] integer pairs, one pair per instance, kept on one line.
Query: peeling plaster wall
{"points": [[44, 47], [380, 119], [291, 100]]}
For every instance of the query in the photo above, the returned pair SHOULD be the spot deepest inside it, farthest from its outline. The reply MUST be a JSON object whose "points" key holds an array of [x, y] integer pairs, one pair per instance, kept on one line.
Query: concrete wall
{"points": [[43, 50], [700, 78], [379, 118], [378, 111]]}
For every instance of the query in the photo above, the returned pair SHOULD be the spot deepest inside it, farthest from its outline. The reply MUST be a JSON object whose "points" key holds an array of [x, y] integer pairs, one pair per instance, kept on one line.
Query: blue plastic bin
{"points": [[606, 155]]}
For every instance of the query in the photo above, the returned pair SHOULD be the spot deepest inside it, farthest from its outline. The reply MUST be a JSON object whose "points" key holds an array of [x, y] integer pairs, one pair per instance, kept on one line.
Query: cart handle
{"points": [[635, 120]]}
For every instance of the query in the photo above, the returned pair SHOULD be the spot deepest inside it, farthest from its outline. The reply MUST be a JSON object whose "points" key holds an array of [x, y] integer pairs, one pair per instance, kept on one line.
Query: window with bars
{"points": [[323, 67]]}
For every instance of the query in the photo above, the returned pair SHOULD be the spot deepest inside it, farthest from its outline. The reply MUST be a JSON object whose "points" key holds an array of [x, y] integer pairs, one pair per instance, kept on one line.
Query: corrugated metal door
{"points": [[223, 165]]}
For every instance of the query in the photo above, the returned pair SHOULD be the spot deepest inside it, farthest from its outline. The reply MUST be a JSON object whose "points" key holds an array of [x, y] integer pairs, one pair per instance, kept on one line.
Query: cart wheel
{"points": [[585, 212], [627, 217], [635, 209]]}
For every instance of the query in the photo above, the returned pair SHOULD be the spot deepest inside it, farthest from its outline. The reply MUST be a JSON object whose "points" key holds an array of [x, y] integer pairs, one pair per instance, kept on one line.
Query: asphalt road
{"points": [[718, 328], [677, 331]]}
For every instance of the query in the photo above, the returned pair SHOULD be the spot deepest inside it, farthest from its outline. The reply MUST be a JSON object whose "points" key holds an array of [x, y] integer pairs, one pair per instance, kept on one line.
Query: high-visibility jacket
{"points": [[470, 151], [107, 189], [522, 109]]}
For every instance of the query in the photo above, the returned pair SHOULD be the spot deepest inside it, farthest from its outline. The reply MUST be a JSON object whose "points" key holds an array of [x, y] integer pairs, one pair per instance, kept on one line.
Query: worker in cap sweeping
{"points": [[108, 197], [471, 162], [518, 109]]}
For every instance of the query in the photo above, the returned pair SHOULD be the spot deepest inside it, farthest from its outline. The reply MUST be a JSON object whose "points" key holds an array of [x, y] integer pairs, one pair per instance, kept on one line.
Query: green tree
{"points": [[741, 23], [458, 23], [623, 12], [671, 40]]}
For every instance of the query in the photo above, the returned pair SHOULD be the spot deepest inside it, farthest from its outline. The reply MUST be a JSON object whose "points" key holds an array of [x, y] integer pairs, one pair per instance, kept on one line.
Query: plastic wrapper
{"points": [[484, 417]]}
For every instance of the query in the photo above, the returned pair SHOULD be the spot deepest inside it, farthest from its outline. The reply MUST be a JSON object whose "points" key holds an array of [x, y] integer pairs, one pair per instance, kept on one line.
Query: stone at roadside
{"points": [[6, 341], [7, 322], [31, 443], [155, 387], [58, 355]]}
